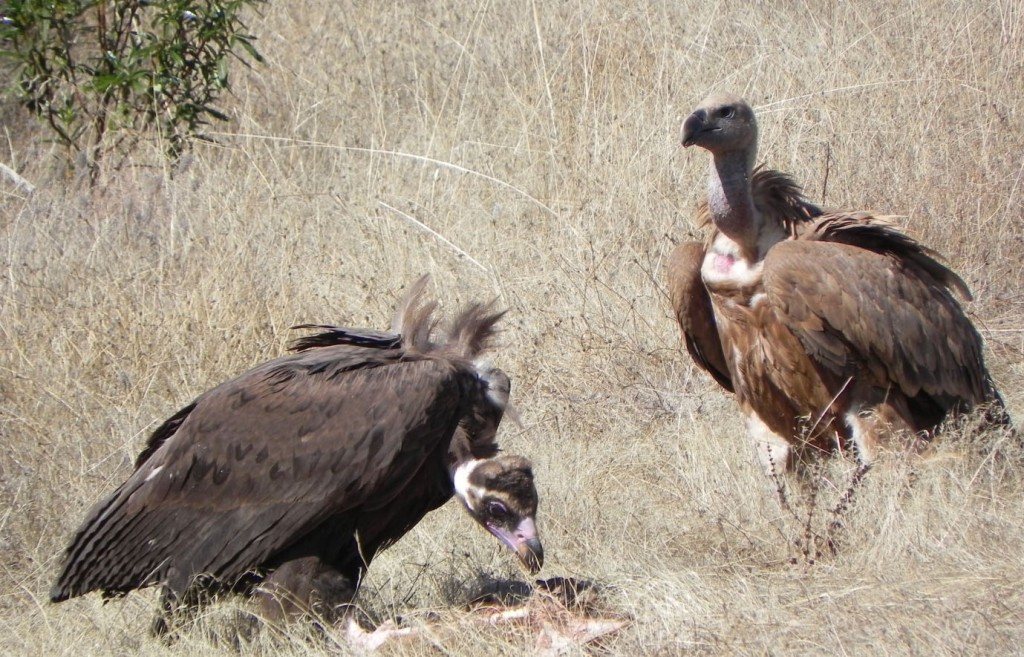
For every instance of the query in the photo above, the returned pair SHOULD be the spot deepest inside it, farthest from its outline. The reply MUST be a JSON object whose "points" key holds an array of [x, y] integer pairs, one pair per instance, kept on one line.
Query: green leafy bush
{"points": [[100, 73]]}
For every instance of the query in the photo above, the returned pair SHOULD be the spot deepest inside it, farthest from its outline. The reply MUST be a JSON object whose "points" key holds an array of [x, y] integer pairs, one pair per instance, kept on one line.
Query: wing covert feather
{"points": [[692, 305], [262, 459], [854, 309]]}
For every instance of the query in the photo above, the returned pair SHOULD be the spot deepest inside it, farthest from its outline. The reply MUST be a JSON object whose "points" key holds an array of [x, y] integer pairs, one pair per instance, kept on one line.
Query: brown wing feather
{"points": [[255, 463], [879, 304], [693, 310]]}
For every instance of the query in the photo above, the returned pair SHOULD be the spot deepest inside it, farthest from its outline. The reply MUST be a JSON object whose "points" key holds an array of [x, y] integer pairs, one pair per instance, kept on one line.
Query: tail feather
{"points": [[338, 335]]}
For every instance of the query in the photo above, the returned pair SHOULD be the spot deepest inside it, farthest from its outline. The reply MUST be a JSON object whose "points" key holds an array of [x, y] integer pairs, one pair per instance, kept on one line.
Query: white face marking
{"points": [[467, 492], [155, 472]]}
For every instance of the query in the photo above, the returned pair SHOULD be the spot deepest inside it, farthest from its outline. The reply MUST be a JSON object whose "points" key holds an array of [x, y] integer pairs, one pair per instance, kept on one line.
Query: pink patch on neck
{"points": [[723, 263]]}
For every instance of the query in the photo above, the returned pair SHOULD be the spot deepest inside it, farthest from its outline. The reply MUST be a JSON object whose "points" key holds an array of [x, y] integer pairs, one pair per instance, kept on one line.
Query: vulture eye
{"points": [[728, 112], [496, 509]]}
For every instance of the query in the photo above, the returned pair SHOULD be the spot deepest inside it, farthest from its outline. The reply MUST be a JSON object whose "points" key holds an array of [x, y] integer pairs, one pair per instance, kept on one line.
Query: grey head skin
{"points": [[725, 126], [722, 122]]}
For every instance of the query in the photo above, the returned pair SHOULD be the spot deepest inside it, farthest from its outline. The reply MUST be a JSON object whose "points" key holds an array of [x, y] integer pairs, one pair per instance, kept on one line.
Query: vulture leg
{"points": [[773, 451], [177, 610], [308, 585], [318, 576], [846, 499], [884, 426], [164, 620]]}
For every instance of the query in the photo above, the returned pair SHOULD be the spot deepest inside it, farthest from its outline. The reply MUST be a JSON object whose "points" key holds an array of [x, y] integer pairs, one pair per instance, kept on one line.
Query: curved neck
{"points": [[730, 200]]}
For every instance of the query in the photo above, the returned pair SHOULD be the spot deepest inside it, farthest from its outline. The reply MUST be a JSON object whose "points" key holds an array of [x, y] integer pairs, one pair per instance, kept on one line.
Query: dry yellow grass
{"points": [[539, 139]]}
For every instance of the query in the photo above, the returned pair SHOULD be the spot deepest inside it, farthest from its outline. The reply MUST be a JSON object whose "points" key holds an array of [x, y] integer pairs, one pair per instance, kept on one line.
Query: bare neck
{"points": [[730, 200]]}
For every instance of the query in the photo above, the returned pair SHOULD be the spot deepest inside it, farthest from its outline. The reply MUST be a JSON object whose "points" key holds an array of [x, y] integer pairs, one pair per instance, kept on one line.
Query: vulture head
{"points": [[499, 493], [722, 123]]}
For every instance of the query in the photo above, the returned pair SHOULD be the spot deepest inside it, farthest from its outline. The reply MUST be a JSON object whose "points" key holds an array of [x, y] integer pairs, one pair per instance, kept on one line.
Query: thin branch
{"points": [[375, 151], [13, 176], [430, 231], [765, 109]]}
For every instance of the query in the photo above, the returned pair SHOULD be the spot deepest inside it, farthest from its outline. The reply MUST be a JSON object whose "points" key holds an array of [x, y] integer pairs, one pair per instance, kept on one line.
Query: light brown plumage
{"points": [[287, 480], [832, 328], [694, 313]]}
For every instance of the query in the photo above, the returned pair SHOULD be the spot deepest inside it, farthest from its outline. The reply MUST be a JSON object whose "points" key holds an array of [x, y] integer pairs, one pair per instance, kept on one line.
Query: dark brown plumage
{"points": [[286, 481], [832, 328]]}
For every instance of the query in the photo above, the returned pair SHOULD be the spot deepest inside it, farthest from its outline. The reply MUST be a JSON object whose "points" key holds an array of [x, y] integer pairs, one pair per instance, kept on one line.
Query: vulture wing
{"points": [[257, 462], [334, 335], [864, 298], [693, 310]]}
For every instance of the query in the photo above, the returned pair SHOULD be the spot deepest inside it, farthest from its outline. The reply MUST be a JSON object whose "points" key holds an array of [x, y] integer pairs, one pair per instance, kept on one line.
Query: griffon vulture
{"points": [[833, 329], [286, 481]]}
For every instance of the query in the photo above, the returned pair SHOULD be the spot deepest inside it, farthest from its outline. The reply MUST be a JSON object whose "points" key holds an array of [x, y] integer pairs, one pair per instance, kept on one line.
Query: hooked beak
{"points": [[524, 542], [693, 126]]}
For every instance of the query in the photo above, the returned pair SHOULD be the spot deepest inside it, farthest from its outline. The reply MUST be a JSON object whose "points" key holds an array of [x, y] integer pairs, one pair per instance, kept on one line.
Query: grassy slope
{"points": [[542, 141]]}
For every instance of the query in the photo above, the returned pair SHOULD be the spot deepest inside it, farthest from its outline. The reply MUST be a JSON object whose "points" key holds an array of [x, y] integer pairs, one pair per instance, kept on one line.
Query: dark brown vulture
{"points": [[286, 481], [833, 329]]}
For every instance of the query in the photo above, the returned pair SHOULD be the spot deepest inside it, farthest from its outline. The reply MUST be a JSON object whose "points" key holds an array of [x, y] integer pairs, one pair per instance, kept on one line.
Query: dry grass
{"points": [[540, 141]]}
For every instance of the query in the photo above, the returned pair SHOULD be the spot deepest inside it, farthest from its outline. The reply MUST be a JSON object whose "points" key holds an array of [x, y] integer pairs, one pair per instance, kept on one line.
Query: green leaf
{"points": [[246, 43]]}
